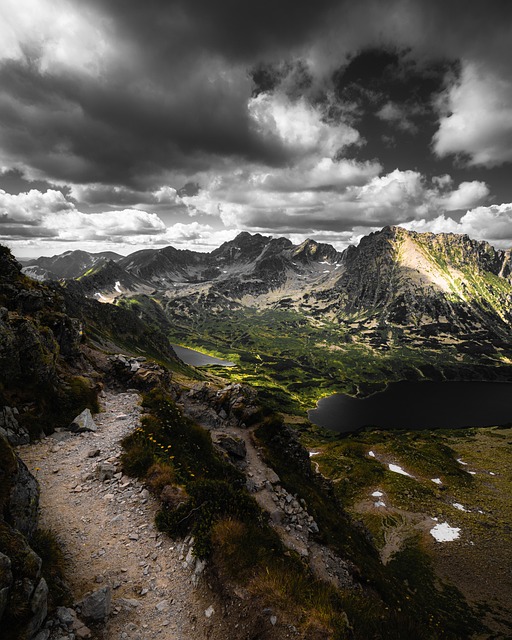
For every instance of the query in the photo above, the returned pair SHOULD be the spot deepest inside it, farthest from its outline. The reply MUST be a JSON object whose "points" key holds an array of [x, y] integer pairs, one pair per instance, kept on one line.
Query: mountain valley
{"points": [[301, 533], [308, 320]]}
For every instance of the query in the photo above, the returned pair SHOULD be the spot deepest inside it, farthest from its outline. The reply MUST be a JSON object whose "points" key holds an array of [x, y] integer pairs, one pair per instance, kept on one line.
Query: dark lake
{"points": [[198, 359], [419, 405]]}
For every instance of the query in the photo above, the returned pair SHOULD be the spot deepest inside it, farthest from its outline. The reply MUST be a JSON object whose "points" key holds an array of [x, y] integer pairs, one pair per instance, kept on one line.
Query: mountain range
{"points": [[300, 322], [394, 277]]}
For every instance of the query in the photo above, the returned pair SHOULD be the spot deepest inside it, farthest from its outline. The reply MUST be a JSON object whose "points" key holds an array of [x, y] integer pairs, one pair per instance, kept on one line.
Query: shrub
{"points": [[138, 456], [210, 501], [158, 476], [241, 548], [46, 545]]}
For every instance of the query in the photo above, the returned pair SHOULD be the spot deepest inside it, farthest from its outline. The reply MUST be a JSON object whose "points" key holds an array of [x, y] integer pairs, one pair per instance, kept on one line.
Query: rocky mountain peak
{"points": [[10, 268], [244, 247], [310, 250]]}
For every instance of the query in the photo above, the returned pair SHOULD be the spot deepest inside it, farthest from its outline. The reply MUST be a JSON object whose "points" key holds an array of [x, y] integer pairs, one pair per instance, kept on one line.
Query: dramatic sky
{"points": [[127, 123]]}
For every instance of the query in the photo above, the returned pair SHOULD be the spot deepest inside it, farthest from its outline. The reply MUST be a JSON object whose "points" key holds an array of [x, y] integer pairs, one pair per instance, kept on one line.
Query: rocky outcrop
{"points": [[10, 428], [21, 510], [234, 405], [138, 373], [23, 590]]}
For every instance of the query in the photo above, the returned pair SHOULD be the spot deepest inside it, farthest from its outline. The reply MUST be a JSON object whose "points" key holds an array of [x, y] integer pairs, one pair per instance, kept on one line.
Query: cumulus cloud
{"points": [[117, 195], [324, 174], [50, 214], [75, 225], [477, 119], [267, 202], [493, 223], [299, 125], [468, 194], [32, 207], [196, 236]]}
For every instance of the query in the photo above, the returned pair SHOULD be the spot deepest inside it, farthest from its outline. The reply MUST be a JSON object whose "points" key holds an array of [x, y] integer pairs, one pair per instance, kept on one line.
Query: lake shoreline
{"points": [[459, 404], [196, 358]]}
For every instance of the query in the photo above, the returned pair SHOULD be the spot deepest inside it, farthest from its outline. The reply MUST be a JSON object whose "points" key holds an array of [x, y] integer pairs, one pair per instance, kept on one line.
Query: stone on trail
{"points": [[234, 446], [105, 471], [66, 615], [96, 606], [83, 422]]}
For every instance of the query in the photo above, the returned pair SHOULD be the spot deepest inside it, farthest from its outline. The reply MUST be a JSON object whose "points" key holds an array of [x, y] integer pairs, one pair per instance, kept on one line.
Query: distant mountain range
{"points": [[446, 281], [70, 264]]}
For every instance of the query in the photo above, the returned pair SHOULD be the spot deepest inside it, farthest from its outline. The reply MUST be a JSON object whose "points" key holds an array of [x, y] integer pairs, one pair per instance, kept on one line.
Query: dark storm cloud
{"points": [[85, 130], [166, 97], [177, 100], [236, 30], [14, 181], [21, 232]]}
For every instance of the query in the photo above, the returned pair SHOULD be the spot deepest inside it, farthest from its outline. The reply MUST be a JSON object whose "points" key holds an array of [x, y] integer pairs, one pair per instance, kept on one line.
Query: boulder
{"points": [[203, 415], [96, 606], [22, 509], [38, 608], [66, 616], [83, 422], [105, 471], [234, 447]]}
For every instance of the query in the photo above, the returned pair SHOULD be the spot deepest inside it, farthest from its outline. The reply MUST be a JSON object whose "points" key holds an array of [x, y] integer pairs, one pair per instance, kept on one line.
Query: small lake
{"points": [[418, 405], [198, 359]]}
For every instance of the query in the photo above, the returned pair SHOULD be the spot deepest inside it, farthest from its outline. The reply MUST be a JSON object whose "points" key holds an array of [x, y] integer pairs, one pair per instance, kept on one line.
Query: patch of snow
{"points": [[377, 494], [326, 271], [397, 469], [224, 272], [460, 462], [117, 287], [473, 473], [379, 503], [491, 473], [99, 295], [325, 262], [313, 453], [444, 533], [459, 506], [437, 480], [435, 519], [371, 454]]}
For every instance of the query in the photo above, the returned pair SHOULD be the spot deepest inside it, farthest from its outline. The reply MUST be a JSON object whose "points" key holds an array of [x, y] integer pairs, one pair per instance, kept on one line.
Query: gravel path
{"points": [[107, 531]]}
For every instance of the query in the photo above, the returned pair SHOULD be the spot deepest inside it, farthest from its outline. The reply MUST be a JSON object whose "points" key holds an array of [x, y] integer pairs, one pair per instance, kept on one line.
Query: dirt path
{"points": [[107, 531]]}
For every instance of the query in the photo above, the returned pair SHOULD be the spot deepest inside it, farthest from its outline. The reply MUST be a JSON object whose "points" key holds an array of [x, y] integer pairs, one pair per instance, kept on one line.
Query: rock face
{"points": [[23, 504], [10, 428], [234, 405], [23, 591], [403, 276]]}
